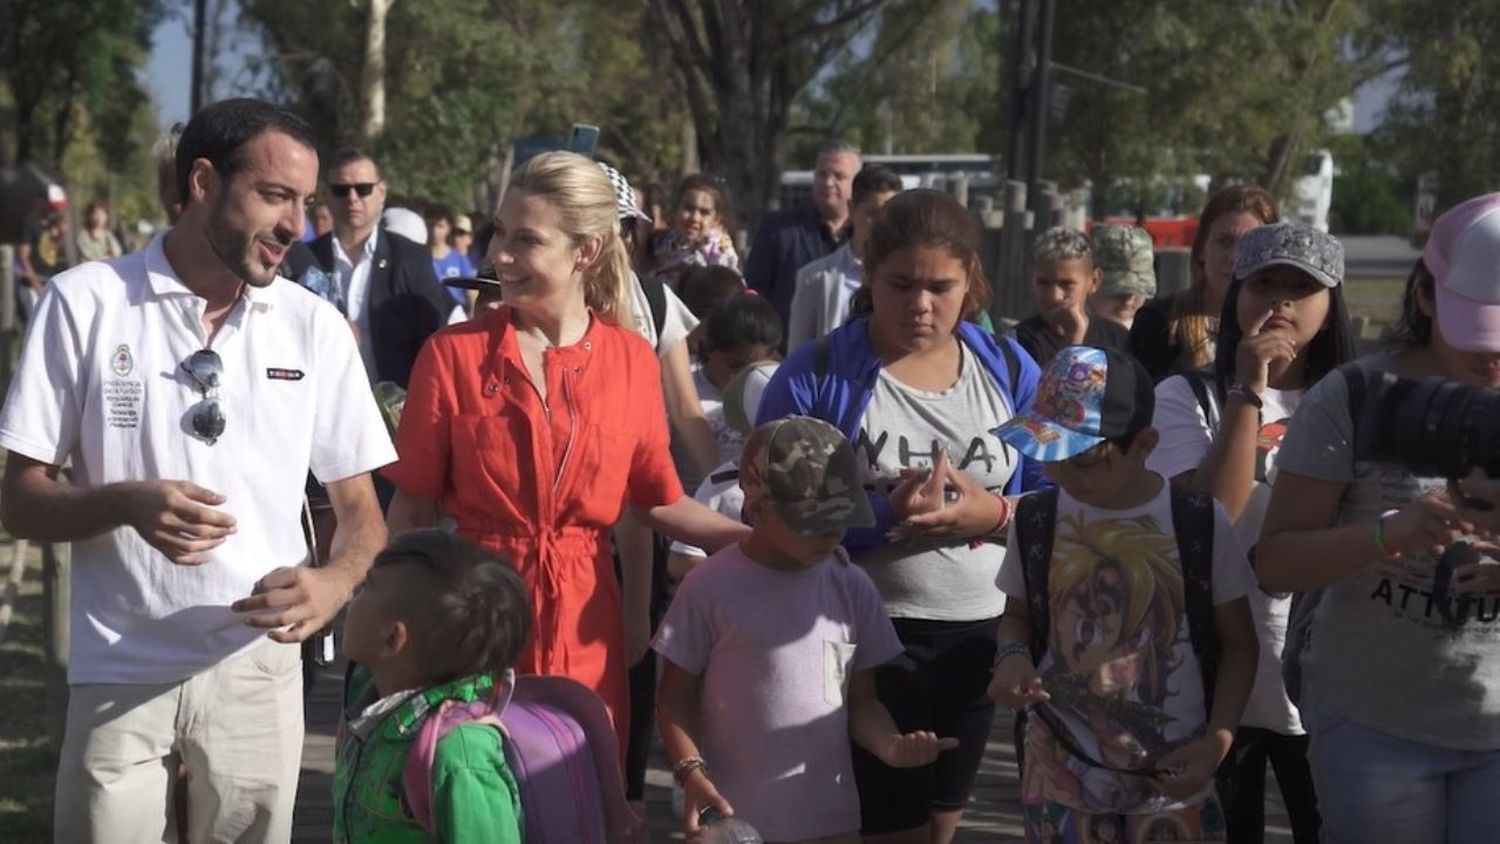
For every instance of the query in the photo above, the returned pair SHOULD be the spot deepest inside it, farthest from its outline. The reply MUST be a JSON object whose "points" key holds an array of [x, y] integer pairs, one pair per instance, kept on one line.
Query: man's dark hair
{"points": [[467, 607], [219, 133], [873, 179], [346, 156]]}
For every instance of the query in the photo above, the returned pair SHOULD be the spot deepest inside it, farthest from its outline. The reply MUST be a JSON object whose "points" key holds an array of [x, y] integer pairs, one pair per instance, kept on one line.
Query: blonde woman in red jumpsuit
{"points": [[534, 425]]}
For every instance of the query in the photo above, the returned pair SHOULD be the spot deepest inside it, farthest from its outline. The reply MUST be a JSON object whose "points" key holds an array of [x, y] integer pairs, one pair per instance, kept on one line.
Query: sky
{"points": [[169, 74]]}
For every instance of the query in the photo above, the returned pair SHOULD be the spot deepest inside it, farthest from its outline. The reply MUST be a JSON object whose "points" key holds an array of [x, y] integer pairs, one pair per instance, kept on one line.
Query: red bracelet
{"points": [[1000, 524]]}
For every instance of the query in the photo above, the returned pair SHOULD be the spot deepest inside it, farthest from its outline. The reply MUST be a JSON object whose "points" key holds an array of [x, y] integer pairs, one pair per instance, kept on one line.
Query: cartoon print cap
{"points": [[1085, 397], [1463, 255], [807, 469]]}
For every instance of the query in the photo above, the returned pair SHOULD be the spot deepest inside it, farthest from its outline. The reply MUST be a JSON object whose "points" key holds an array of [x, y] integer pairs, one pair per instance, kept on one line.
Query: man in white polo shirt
{"points": [[191, 392]]}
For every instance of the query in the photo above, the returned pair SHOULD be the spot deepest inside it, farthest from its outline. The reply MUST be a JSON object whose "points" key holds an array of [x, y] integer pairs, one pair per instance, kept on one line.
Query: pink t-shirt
{"points": [[775, 650]]}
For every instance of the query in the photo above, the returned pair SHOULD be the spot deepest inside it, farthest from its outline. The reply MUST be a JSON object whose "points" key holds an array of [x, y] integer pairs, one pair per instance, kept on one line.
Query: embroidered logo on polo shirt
{"points": [[122, 363], [278, 374], [123, 395]]}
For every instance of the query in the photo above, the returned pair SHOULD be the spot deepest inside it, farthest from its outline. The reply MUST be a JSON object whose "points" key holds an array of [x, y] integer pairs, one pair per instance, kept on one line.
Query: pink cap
{"points": [[1463, 255]]}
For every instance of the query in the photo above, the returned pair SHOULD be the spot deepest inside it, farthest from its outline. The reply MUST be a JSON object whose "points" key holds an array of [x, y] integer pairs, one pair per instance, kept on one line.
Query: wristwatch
{"points": [[1010, 649], [1250, 396]]}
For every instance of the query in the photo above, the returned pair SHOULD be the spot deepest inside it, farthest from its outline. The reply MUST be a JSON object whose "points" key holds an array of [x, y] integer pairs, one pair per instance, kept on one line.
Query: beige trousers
{"points": [[236, 727]]}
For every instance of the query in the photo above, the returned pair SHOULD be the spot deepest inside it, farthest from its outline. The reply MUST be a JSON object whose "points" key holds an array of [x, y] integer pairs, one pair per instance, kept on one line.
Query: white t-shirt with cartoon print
{"points": [[1119, 664]]}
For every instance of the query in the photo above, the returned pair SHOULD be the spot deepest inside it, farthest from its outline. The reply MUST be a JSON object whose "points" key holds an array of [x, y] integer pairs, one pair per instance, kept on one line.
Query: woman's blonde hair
{"points": [[584, 200]]}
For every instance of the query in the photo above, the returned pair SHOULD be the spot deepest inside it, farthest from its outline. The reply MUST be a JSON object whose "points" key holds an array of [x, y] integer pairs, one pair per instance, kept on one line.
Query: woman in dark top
{"points": [[1176, 333]]}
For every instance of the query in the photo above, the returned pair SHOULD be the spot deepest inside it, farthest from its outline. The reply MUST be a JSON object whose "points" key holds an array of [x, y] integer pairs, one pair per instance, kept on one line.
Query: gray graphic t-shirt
{"points": [[1376, 648], [903, 428]]}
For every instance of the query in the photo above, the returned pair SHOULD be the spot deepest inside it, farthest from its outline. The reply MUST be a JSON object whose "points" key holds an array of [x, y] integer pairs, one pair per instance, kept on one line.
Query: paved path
{"points": [[993, 816]]}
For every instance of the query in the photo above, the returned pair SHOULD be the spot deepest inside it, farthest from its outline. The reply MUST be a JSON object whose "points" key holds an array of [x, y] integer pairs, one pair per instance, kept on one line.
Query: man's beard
{"points": [[237, 249]]}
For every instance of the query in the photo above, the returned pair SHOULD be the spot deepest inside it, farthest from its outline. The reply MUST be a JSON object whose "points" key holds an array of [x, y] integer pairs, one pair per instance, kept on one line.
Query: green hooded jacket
{"points": [[474, 794]]}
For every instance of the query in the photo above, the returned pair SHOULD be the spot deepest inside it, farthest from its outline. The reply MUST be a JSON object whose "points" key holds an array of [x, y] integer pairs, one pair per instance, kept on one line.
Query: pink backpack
{"points": [[560, 746]]}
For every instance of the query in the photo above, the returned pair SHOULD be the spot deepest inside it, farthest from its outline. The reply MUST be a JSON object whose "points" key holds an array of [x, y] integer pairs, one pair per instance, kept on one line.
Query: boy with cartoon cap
{"points": [[770, 647], [1127, 637], [1126, 263]]}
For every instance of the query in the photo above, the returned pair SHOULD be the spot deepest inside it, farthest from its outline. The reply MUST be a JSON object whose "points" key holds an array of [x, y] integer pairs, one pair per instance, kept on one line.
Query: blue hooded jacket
{"points": [[838, 390]]}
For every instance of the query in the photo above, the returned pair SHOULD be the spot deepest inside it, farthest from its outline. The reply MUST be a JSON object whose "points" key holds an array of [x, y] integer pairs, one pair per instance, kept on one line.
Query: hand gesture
{"points": [[1016, 683], [305, 598], [1191, 767], [177, 518], [914, 750], [1071, 321], [921, 490], [1259, 349], [973, 512], [1430, 523], [699, 794]]}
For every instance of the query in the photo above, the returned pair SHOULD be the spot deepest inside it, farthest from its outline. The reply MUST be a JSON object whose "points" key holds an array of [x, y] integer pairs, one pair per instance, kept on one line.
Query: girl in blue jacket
{"points": [[917, 387]]}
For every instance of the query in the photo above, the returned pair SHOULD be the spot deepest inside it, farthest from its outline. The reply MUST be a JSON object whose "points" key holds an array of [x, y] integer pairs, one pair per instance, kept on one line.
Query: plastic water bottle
{"points": [[718, 829]]}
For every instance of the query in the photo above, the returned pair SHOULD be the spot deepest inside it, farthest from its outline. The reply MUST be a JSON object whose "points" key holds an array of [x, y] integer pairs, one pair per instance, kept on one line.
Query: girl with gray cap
{"points": [[1284, 326]]}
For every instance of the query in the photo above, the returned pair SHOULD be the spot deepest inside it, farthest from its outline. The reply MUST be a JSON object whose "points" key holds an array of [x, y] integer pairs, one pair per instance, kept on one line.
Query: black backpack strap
{"points": [[656, 299], [822, 359], [1193, 523], [1200, 382], [1036, 521], [1012, 362]]}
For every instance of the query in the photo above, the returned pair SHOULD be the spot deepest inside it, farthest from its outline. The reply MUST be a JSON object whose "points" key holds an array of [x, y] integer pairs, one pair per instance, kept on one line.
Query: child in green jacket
{"points": [[437, 619]]}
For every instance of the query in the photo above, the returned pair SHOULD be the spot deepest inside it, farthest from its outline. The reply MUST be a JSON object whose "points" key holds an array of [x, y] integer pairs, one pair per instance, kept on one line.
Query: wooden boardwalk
{"points": [[993, 815]]}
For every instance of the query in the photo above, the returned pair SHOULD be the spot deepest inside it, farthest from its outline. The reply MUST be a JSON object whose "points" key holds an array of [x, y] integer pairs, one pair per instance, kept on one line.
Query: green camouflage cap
{"points": [[807, 469], [1124, 257]]}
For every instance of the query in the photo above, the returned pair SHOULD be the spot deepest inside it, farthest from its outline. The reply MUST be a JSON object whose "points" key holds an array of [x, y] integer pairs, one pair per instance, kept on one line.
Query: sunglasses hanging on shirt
{"points": [[206, 369]]}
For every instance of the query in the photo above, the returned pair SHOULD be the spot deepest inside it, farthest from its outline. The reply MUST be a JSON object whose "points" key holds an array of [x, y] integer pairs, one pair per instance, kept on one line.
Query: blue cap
{"points": [[1086, 396]]}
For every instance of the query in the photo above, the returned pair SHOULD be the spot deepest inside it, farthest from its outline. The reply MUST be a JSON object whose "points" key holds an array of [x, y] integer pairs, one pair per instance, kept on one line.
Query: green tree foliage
{"points": [[1446, 118], [742, 65], [926, 83], [1368, 194], [465, 78], [57, 58]]}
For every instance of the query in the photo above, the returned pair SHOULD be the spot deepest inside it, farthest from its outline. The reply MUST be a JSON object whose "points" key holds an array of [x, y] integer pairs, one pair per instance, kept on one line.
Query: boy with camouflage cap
{"points": [[769, 651], [1127, 272]]}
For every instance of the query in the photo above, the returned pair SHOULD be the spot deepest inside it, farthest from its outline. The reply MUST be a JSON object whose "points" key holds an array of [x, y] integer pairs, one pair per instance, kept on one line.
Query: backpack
{"points": [[1305, 604], [656, 299], [1193, 524], [560, 747]]}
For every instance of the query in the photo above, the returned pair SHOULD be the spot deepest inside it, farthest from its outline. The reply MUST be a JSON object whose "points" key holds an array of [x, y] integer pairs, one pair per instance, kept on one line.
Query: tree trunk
{"points": [[372, 79]]}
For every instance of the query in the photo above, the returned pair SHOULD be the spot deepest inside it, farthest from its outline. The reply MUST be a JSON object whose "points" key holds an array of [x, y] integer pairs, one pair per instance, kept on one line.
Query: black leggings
{"points": [[1242, 785], [937, 684], [643, 683]]}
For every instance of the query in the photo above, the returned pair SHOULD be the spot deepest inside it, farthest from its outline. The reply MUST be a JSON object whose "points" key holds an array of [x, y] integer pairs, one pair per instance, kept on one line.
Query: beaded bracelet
{"points": [[683, 768]]}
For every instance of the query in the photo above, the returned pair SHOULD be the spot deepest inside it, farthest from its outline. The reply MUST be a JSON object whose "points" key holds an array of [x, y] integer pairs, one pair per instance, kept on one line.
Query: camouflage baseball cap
{"points": [[807, 468], [1123, 255]]}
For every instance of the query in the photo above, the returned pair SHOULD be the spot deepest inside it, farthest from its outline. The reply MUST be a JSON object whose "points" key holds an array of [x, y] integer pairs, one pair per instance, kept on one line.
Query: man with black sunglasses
{"points": [[191, 392], [384, 283]]}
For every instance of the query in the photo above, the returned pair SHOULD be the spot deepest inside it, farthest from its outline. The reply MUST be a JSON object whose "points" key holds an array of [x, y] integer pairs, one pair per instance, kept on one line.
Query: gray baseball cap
{"points": [[1295, 245], [807, 469]]}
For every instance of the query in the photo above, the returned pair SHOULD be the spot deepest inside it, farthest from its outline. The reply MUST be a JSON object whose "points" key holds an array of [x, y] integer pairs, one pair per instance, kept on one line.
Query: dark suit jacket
{"points": [[406, 302], [786, 241]]}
